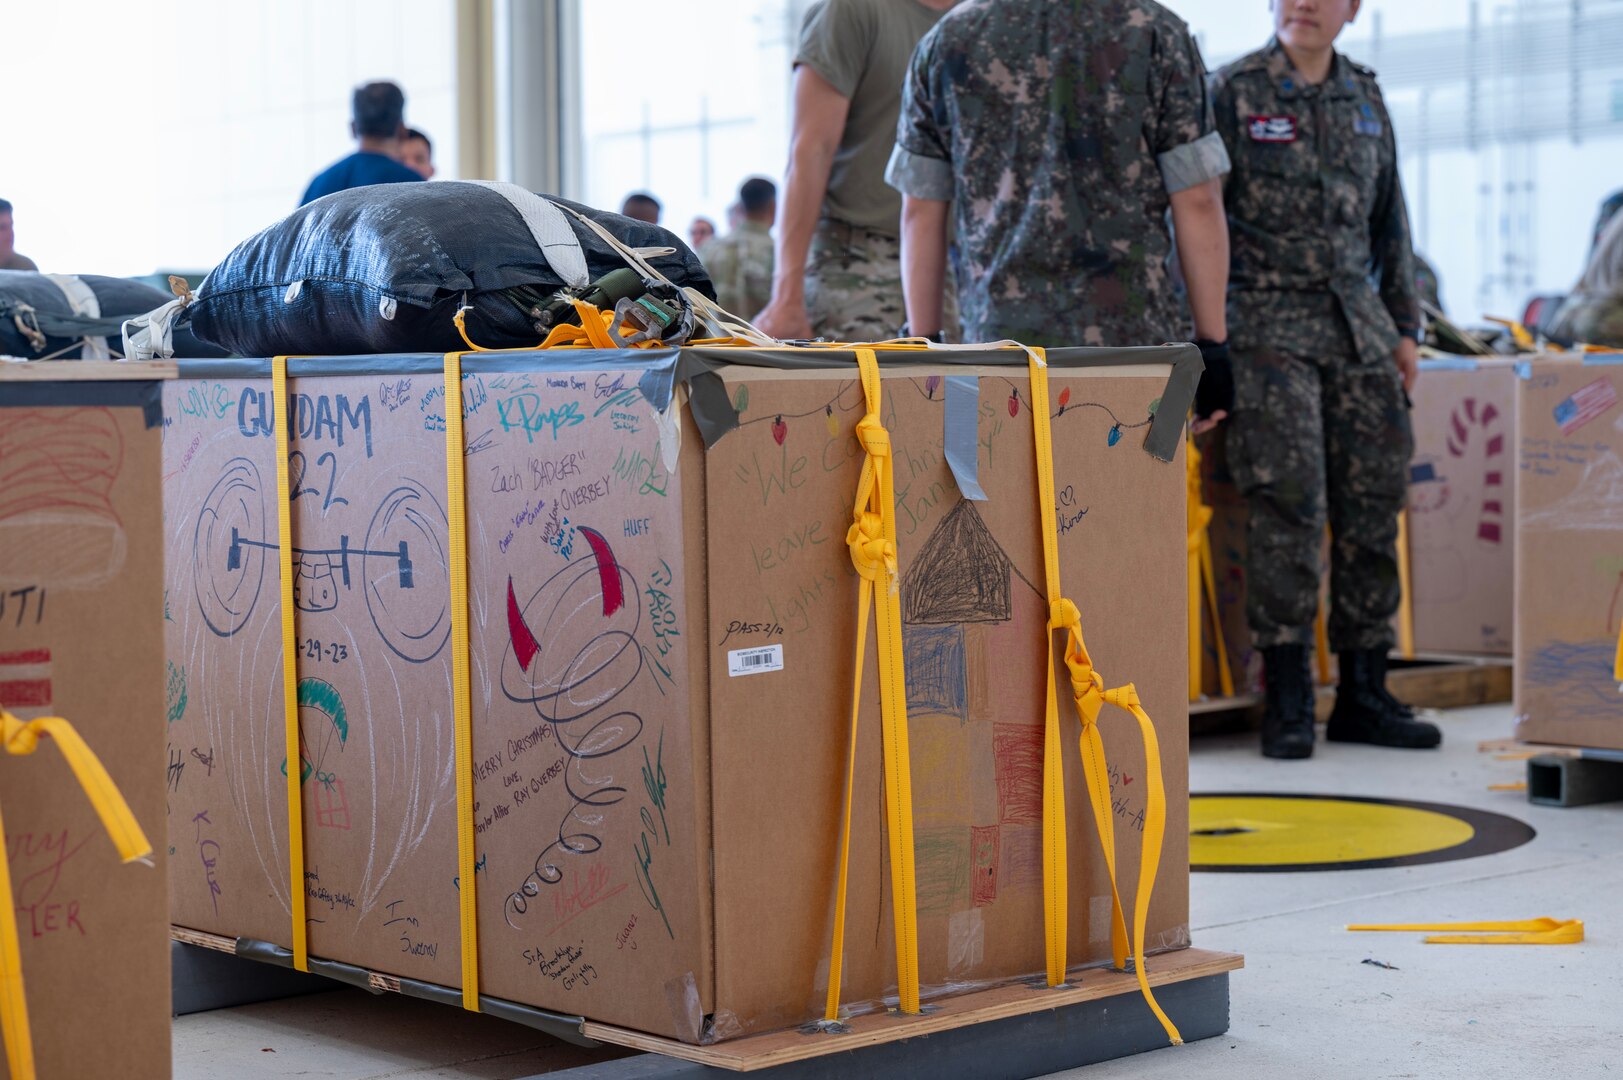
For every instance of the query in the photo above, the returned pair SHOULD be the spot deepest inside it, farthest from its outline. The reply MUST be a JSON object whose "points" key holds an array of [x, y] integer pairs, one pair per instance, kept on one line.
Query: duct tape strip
{"points": [[461, 700], [962, 434], [146, 395], [290, 675]]}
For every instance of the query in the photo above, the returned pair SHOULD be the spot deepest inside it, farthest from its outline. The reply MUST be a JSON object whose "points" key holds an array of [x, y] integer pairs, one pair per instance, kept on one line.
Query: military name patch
{"points": [[1276, 129]]}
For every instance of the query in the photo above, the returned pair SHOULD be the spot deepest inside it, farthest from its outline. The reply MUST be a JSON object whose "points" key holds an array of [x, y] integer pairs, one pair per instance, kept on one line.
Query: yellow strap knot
{"points": [[20, 738], [872, 436], [871, 553]]}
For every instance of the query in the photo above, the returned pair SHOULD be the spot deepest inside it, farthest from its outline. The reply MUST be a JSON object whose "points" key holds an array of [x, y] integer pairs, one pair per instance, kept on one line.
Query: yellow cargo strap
{"points": [[1089, 694], [1203, 581], [456, 503], [290, 672], [22, 739], [872, 539], [1523, 932], [1617, 664], [1405, 590], [592, 333]]}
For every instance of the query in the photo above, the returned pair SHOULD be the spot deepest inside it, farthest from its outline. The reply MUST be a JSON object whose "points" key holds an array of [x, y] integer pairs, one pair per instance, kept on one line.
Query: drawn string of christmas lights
{"points": [[930, 385]]}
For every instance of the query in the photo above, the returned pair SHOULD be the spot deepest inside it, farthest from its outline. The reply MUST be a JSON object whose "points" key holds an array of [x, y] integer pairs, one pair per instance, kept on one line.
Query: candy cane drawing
{"points": [[1465, 418]]}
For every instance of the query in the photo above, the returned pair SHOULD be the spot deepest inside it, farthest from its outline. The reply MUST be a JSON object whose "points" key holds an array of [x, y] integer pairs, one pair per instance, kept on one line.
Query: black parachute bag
{"points": [[385, 269], [76, 317]]}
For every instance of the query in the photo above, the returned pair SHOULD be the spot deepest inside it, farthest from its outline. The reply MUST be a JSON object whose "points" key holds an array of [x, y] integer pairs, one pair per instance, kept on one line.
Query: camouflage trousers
{"points": [[1320, 438], [854, 285]]}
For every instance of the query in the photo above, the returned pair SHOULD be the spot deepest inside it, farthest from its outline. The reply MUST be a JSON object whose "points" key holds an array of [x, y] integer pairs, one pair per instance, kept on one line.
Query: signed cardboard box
{"points": [[81, 611], [1569, 562], [1462, 505], [662, 636]]}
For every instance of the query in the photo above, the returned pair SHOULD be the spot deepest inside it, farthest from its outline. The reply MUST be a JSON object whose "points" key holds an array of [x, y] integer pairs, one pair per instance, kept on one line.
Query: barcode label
{"points": [[755, 661]]}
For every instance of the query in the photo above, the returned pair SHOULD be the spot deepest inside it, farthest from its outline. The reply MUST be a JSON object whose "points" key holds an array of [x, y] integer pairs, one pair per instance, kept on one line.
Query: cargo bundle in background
{"points": [[82, 613], [1569, 559]]}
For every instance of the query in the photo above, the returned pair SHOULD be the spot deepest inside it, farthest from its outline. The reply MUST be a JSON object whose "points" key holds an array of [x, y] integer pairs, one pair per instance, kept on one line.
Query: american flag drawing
{"points": [[1585, 405], [25, 683]]}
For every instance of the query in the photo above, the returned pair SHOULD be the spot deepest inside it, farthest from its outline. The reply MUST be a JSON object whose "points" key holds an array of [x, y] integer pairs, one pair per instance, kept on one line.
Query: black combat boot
{"points": [[1366, 713], [1287, 725]]}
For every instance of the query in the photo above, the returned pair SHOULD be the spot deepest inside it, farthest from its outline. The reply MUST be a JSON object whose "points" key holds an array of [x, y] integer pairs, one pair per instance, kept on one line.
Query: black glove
{"points": [[1216, 390]]}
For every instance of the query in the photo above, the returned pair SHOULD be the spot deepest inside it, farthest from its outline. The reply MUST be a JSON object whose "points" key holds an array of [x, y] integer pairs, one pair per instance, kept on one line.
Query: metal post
{"points": [[543, 87]]}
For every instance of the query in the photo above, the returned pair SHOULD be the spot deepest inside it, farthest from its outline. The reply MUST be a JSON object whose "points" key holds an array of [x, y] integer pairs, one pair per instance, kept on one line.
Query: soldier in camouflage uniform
{"points": [[740, 263], [1324, 318], [1593, 314], [1062, 134]]}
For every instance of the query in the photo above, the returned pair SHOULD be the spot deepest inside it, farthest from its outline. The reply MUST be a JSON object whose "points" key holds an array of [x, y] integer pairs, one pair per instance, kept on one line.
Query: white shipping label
{"points": [[755, 661]]}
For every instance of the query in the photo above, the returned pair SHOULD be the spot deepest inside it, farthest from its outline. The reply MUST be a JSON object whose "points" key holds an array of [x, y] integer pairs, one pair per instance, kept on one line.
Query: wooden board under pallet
{"points": [[1456, 684], [757, 1052], [764, 1051]]}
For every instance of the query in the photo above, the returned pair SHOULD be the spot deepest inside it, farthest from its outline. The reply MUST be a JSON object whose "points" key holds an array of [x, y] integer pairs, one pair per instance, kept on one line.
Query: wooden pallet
{"points": [[777, 1048], [1430, 681], [774, 1049]]}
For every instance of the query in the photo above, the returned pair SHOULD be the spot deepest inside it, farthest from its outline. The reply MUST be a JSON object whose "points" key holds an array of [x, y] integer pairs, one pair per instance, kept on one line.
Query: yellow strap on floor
{"points": [[872, 540], [456, 502], [290, 672], [22, 739], [1089, 695], [1544, 931]]}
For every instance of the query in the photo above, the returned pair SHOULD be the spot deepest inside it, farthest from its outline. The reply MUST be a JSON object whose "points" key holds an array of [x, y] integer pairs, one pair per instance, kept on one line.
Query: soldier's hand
{"points": [[785, 320], [1214, 397], [1407, 357]]}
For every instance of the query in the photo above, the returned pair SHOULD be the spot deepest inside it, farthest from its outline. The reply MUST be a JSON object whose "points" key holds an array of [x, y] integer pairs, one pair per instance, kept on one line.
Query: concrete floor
{"points": [[1305, 1007]]}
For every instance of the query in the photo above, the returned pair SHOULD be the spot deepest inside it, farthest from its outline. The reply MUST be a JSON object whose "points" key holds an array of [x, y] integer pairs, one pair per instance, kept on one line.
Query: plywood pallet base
{"points": [[1429, 681], [1015, 1030]]}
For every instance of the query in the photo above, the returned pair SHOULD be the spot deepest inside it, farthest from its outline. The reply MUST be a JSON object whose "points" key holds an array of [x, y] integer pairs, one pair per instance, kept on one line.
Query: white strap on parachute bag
{"points": [[559, 245], [152, 336], [82, 299]]}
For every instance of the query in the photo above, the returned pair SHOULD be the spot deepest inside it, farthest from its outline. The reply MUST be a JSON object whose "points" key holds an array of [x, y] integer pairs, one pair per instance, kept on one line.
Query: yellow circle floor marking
{"points": [[1269, 832]]}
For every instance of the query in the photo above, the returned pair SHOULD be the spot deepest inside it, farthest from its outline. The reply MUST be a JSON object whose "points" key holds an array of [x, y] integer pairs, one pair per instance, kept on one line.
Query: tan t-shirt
{"points": [[16, 261], [862, 47]]}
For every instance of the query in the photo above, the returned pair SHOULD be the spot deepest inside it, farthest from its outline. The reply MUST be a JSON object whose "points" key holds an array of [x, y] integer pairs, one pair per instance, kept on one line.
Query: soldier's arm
{"points": [[1391, 251], [1193, 160], [921, 169], [924, 262], [819, 121], [1221, 91]]}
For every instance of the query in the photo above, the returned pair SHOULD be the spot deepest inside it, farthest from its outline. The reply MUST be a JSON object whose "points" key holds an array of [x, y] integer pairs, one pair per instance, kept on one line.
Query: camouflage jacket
{"points": [[740, 265], [1058, 130], [1314, 204]]}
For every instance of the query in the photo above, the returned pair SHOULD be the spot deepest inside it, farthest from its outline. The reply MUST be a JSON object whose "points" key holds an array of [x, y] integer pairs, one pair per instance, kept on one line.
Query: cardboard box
{"points": [[1569, 551], [81, 612], [1462, 505], [657, 830]]}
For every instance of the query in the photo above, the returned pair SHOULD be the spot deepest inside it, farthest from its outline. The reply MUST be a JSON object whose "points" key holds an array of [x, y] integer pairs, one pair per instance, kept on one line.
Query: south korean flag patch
{"points": [[1273, 129]]}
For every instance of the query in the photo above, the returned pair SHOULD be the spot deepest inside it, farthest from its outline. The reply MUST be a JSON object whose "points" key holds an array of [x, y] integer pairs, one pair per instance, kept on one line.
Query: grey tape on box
{"points": [[962, 434]]}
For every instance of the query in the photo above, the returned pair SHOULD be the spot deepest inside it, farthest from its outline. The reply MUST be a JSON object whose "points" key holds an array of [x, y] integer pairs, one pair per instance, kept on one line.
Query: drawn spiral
{"points": [[414, 621], [228, 585]]}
